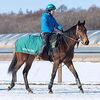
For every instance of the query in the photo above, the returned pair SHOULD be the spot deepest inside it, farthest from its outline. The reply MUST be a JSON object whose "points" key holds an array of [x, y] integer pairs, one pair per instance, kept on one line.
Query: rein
{"points": [[77, 41], [72, 38]]}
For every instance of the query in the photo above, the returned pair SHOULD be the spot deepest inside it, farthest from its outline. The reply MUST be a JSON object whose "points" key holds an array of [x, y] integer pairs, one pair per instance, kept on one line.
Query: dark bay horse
{"points": [[62, 53]]}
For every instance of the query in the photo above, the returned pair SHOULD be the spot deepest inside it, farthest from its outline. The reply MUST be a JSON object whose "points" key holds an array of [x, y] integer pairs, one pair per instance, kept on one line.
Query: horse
{"points": [[63, 52]]}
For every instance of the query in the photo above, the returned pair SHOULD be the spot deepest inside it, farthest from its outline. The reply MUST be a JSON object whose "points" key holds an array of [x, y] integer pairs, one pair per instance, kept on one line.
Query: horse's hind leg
{"points": [[17, 66], [26, 70], [72, 69], [55, 67]]}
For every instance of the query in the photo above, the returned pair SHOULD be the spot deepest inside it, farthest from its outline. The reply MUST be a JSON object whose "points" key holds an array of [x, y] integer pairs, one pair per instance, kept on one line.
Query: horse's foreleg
{"points": [[55, 67], [72, 69], [14, 77], [25, 73]]}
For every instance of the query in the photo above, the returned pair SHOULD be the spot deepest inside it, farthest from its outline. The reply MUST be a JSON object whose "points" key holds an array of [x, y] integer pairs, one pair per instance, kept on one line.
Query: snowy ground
{"points": [[61, 92], [40, 72]]}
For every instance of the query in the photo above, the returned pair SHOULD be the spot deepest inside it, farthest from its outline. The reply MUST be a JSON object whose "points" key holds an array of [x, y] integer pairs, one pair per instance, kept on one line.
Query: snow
{"points": [[40, 72], [61, 92]]}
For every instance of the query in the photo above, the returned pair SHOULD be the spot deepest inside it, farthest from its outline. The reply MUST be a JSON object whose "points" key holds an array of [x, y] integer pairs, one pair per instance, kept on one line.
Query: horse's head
{"points": [[81, 33]]}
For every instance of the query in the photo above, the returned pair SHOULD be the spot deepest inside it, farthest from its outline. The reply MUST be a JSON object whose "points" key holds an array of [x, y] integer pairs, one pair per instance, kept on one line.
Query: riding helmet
{"points": [[50, 7]]}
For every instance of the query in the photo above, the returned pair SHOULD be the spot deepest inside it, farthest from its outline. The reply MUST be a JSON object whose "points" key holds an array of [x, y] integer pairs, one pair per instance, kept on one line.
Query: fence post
{"points": [[60, 74]]}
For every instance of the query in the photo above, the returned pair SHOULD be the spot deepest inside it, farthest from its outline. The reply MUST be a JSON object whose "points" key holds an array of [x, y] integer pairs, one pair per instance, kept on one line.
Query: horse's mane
{"points": [[69, 32]]}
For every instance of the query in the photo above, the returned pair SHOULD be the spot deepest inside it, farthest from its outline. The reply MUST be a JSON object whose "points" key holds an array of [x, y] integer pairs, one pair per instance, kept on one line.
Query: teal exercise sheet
{"points": [[30, 44]]}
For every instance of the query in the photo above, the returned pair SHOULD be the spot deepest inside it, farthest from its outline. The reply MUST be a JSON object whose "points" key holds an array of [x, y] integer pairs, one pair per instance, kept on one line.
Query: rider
{"points": [[48, 24]]}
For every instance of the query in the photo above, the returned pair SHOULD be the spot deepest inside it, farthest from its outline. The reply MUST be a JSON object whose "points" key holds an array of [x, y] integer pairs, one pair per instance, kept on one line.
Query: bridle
{"points": [[78, 37]]}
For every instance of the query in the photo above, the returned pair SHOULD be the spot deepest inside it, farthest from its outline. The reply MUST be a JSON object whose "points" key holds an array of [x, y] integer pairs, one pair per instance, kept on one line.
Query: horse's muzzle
{"points": [[86, 42]]}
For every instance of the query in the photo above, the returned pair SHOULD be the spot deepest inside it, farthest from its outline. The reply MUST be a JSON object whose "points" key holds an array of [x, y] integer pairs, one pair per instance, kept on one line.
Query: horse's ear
{"points": [[79, 22], [84, 22]]}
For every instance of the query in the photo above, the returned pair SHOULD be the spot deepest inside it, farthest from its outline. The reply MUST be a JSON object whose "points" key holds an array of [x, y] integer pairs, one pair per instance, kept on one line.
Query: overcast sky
{"points": [[34, 5]]}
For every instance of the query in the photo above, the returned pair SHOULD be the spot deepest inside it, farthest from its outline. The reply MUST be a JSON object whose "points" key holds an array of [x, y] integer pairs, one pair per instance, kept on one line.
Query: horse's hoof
{"points": [[50, 91], [81, 89], [29, 91], [9, 88]]}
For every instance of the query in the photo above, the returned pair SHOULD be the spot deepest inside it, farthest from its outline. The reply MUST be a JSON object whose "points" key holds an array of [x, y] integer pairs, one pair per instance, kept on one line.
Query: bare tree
{"points": [[30, 22]]}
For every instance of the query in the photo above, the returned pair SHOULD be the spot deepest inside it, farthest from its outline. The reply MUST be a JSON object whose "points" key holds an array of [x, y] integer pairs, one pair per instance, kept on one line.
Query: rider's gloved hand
{"points": [[62, 31]]}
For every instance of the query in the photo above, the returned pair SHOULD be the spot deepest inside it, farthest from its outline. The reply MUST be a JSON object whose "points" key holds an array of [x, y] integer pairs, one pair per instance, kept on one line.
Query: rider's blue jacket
{"points": [[48, 23]]}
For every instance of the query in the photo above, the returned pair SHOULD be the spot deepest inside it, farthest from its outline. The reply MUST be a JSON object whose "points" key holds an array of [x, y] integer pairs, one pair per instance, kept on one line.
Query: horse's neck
{"points": [[71, 37], [69, 40]]}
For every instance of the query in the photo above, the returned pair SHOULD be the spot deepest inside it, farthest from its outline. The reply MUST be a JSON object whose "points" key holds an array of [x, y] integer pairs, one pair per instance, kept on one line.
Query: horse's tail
{"points": [[13, 63]]}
